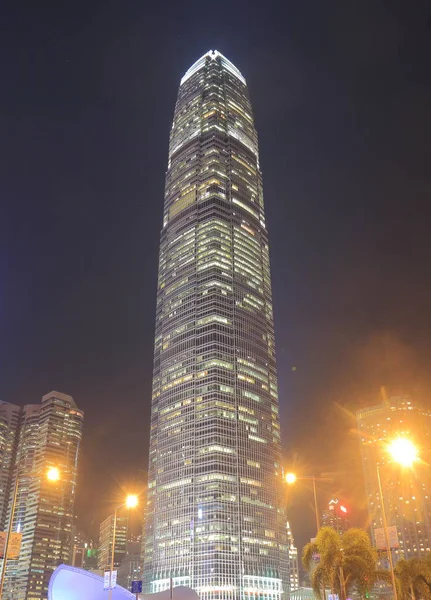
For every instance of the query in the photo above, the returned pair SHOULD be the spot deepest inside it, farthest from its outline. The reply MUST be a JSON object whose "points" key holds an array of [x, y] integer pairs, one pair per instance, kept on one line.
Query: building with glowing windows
{"points": [[406, 492], [106, 534], [215, 518], [335, 516], [293, 560], [9, 426], [48, 434]]}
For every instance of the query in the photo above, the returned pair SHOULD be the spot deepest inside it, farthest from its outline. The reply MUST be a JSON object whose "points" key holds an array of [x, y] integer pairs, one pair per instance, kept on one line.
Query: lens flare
{"points": [[403, 451], [290, 478], [131, 501], [53, 474]]}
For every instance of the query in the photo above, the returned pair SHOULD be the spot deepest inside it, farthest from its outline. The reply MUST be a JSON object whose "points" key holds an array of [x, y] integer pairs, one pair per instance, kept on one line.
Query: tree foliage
{"points": [[341, 562], [413, 577]]}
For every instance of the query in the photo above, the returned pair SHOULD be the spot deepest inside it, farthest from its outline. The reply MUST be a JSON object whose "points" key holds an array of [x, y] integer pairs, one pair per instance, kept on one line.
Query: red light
{"points": [[343, 509]]}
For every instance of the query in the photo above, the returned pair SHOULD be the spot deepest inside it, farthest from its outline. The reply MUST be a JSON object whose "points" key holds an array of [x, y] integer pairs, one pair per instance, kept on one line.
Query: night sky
{"points": [[341, 95]]}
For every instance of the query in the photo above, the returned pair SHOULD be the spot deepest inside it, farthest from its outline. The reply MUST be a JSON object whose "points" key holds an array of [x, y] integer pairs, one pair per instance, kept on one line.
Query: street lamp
{"points": [[130, 502], [52, 475], [291, 478], [403, 452]]}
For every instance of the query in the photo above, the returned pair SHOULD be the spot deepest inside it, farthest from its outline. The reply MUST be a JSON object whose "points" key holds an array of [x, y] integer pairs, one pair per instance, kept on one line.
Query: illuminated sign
{"points": [[380, 538]]}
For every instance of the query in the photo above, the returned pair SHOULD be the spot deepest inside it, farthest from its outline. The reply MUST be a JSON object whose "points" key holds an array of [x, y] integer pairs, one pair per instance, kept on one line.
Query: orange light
{"points": [[403, 451], [290, 478], [132, 501], [53, 474], [343, 509]]}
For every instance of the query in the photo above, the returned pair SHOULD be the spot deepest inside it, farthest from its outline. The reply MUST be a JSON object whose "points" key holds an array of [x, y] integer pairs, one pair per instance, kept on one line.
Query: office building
{"points": [[293, 560], [84, 554], [106, 538], [335, 516], [78, 556], [79, 549], [49, 435], [130, 568], [406, 492], [215, 519]]}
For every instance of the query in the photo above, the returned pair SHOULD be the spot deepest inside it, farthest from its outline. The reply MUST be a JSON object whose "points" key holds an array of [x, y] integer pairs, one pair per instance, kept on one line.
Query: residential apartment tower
{"points": [[407, 492], [48, 435]]}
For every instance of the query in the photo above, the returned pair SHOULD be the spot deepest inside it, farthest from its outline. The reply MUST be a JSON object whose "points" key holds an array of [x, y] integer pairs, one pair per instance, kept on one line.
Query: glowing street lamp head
{"points": [[132, 501], [53, 474], [290, 478], [403, 451]]}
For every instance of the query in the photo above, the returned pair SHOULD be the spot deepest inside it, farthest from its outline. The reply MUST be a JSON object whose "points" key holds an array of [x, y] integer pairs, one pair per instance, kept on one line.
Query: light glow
{"points": [[290, 478], [53, 474], [132, 501], [403, 451]]}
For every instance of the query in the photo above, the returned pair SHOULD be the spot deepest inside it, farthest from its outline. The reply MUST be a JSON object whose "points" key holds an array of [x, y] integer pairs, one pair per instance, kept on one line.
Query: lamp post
{"points": [[405, 453], [291, 478], [52, 474], [316, 509], [131, 502], [385, 529]]}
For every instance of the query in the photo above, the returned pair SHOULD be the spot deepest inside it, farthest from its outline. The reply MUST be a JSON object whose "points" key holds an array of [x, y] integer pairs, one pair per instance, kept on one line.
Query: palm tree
{"points": [[413, 579], [341, 562]]}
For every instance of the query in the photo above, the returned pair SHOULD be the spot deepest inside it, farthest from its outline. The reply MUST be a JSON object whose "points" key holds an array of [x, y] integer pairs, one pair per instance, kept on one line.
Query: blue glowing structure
{"points": [[71, 583]]}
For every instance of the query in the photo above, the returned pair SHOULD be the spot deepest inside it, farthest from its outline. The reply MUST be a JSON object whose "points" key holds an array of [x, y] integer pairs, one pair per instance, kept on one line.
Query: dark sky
{"points": [[341, 94]]}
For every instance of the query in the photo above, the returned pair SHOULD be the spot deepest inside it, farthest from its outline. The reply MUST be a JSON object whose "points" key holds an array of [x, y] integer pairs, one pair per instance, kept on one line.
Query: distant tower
{"points": [[293, 560], [105, 541], [49, 435], [215, 519], [407, 493], [335, 516], [130, 568]]}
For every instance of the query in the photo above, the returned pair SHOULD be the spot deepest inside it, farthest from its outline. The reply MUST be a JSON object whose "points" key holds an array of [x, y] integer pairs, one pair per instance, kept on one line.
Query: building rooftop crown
{"points": [[213, 55], [59, 396]]}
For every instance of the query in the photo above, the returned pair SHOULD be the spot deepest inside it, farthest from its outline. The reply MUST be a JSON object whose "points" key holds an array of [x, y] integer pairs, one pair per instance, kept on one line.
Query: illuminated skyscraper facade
{"points": [[9, 427], [49, 435], [407, 492], [106, 534], [215, 520], [335, 516], [293, 560]]}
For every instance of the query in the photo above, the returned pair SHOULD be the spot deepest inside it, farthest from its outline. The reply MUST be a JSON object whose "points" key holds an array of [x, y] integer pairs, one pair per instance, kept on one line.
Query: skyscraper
{"points": [[335, 516], [215, 518], [293, 560], [9, 426], [105, 541], [49, 435], [407, 492], [130, 568]]}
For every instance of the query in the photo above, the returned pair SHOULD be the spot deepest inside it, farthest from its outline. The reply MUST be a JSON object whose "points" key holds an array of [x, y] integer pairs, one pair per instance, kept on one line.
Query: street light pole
{"points": [[114, 533], [385, 529], [131, 502], [316, 508], [291, 478]]}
